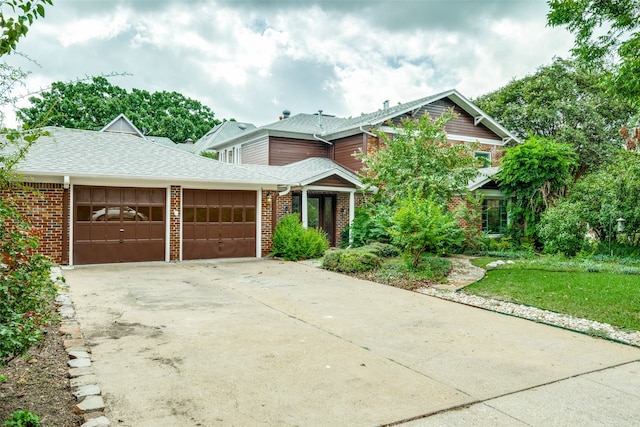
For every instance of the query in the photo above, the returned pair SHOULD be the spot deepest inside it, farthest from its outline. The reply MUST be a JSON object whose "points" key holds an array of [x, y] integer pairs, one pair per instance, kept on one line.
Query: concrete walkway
{"points": [[263, 342]]}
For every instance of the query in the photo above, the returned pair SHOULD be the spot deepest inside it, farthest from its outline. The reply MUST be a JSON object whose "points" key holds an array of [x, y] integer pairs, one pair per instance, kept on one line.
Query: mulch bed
{"points": [[39, 383]]}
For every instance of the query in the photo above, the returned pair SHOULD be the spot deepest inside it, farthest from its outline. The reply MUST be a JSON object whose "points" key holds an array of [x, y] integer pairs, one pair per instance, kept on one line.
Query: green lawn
{"points": [[604, 296]]}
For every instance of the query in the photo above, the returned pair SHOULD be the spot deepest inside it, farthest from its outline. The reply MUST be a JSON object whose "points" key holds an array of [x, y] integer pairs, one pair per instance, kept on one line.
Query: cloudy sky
{"points": [[251, 59]]}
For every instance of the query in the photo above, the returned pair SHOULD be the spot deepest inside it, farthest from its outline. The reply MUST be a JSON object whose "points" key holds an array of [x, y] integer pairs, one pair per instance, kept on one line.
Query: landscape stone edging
{"points": [[83, 380], [576, 324]]}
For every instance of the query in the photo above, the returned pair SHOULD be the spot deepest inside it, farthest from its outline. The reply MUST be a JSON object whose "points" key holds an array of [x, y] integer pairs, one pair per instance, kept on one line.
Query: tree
{"points": [[567, 104], [609, 194], [92, 105], [418, 158], [535, 174], [16, 27], [607, 36]]}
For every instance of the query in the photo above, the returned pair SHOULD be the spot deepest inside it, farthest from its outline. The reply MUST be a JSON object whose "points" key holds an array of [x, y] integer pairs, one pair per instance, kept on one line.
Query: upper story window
{"points": [[486, 156]]}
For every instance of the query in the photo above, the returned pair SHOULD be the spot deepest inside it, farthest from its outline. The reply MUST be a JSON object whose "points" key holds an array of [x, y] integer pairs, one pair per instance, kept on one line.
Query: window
{"points": [[230, 156], [484, 155], [494, 216]]}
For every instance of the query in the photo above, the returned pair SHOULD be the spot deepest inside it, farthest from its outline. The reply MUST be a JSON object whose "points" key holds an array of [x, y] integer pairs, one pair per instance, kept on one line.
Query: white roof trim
{"points": [[329, 173], [121, 116]]}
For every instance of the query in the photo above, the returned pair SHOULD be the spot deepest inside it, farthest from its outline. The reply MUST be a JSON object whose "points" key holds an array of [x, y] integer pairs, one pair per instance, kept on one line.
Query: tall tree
{"points": [[607, 36], [92, 105], [418, 159], [566, 103]]}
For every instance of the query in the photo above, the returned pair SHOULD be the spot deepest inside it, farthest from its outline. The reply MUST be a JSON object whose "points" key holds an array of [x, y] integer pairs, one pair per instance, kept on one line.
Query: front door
{"points": [[321, 214]]}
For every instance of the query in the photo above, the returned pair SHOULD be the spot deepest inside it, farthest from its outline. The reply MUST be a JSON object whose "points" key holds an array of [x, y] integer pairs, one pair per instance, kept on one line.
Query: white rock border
{"points": [[589, 327], [82, 378]]}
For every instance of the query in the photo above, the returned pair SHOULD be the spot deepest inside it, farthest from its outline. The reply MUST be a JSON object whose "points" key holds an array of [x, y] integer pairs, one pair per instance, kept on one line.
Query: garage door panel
{"points": [[228, 229], [118, 224]]}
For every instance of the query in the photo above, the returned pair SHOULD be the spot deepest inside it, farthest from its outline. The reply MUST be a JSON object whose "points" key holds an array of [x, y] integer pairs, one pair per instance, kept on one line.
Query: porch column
{"points": [[305, 220], [352, 214]]}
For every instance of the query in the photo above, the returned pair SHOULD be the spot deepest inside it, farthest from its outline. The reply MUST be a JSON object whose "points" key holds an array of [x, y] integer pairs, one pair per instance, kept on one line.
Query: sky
{"points": [[251, 59]]}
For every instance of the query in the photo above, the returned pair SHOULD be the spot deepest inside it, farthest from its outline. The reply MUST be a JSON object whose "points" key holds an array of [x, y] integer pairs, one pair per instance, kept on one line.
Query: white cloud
{"points": [[247, 59]]}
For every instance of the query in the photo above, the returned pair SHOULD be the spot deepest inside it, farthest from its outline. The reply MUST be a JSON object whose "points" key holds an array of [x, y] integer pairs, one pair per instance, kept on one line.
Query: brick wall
{"points": [[496, 152], [342, 215], [174, 222], [42, 205], [266, 230]]}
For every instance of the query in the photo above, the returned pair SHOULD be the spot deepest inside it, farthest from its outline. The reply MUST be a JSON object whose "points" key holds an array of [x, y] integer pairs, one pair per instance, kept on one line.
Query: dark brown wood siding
{"points": [[256, 152], [283, 151], [461, 125], [334, 181], [344, 150]]}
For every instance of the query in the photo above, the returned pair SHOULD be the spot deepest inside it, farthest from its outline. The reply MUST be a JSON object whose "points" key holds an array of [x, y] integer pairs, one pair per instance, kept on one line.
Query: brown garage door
{"points": [[114, 224], [218, 224]]}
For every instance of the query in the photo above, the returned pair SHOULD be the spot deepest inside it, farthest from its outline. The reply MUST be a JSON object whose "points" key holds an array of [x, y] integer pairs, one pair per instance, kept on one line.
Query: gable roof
{"points": [[308, 171], [325, 127], [90, 154], [122, 124], [485, 175], [222, 132]]}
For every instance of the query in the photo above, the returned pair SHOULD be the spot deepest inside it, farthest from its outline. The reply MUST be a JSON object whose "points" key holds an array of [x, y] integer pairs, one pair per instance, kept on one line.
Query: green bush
{"points": [[562, 230], [384, 250], [421, 226], [26, 288], [293, 243], [22, 419], [369, 225], [351, 260]]}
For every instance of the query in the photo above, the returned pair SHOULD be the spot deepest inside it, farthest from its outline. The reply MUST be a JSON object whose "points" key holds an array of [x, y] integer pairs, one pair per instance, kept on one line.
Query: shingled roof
{"points": [[90, 154], [313, 126]]}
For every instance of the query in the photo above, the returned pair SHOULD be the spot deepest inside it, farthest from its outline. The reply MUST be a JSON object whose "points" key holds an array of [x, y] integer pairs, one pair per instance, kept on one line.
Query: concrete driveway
{"points": [[263, 342]]}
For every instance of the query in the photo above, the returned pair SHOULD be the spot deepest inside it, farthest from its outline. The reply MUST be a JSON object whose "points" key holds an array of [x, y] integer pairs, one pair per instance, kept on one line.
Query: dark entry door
{"points": [[321, 214], [115, 224], [218, 224]]}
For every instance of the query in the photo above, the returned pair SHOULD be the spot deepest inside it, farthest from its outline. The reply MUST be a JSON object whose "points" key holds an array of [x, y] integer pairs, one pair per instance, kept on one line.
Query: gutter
{"points": [[367, 132], [322, 140], [285, 192]]}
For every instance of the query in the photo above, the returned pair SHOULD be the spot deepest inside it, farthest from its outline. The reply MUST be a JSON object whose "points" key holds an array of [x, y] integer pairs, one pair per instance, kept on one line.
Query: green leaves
{"points": [[535, 174], [417, 157], [92, 105], [420, 226], [16, 27], [566, 103], [607, 35]]}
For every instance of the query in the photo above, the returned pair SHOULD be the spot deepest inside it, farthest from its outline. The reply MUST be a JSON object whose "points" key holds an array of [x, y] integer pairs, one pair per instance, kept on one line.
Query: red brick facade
{"points": [[174, 222], [42, 204]]}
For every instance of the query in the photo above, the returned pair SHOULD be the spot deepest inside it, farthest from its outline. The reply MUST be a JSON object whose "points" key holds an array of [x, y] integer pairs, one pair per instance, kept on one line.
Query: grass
{"points": [[605, 292]]}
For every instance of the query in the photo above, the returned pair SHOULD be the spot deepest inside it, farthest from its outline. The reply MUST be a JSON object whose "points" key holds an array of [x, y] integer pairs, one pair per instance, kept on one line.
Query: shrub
{"points": [[351, 260], [385, 250], [562, 230], [26, 288], [22, 419], [292, 242], [421, 226]]}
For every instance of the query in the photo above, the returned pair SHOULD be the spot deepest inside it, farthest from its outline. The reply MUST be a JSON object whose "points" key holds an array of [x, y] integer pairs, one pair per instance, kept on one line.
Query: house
{"points": [[116, 195], [302, 136]]}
